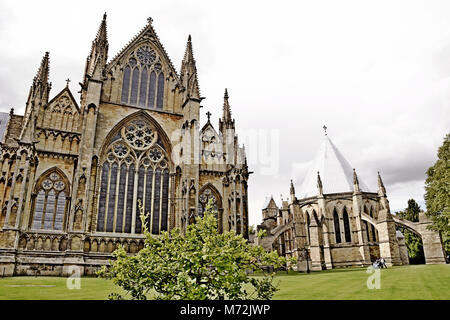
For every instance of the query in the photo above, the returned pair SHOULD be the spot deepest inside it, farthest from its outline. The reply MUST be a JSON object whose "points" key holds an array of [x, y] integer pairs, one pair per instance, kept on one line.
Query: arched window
{"points": [[337, 228], [308, 222], [374, 238], [207, 194], [135, 169], [348, 236], [366, 225], [51, 203], [143, 80]]}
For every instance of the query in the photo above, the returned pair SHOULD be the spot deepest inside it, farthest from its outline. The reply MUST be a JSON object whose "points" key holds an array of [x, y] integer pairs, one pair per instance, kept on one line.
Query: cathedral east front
{"points": [[74, 175]]}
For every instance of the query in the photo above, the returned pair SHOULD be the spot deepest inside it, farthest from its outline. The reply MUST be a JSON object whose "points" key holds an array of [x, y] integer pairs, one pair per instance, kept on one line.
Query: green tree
{"points": [[412, 240], [437, 193], [201, 264]]}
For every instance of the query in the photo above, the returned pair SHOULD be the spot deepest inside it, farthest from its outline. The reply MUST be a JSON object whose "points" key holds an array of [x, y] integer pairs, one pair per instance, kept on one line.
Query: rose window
{"points": [[120, 150], [155, 155], [59, 185], [138, 135], [146, 55], [47, 184]]}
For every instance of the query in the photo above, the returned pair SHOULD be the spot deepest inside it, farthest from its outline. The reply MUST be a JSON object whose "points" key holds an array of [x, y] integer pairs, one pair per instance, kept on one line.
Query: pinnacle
{"points": [[102, 34], [226, 107], [189, 53], [43, 71]]}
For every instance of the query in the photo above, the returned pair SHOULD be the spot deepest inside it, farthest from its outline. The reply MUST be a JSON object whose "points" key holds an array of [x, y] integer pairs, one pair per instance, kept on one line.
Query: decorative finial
{"points": [[355, 182], [104, 16], [68, 81], [319, 184], [149, 20], [208, 114], [11, 112], [226, 93], [381, 188], [325, 129]]}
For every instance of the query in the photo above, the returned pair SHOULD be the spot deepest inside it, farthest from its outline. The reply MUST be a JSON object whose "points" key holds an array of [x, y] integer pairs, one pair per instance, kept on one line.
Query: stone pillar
{"points": [[389, 249], [402, 248], [326, 232], [432, 244], [299, 237], [316, 261]]}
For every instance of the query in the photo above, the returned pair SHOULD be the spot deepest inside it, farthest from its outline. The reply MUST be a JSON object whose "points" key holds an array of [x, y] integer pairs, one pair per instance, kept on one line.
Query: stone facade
{"points": [[74, 174]]}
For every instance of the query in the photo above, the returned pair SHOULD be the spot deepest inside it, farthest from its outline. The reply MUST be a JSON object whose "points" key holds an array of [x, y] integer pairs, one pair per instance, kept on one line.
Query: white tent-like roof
{"points": [[336, 173]]}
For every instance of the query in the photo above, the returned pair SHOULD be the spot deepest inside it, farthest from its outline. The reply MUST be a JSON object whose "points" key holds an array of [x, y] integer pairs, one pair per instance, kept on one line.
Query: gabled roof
{"points": [[146, 34], [69, 93], [335, 171], [208, 125], [269, 202]]}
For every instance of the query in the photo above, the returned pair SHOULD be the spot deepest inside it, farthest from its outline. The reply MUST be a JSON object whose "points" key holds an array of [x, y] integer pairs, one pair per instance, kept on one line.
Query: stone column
{"points": [[316, 262], [402, 248], [389, 249], [326, 232], [432, 244]]}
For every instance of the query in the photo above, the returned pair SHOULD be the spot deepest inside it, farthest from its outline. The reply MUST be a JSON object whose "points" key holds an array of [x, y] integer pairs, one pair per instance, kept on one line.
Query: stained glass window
{"points": [[348, 236], [50, 204], [111, 198], [134, 87], [121, 196], [210, 194], [129, 211], [143, 80], [143, 90], [151, 91], [137, 145], [337, 228], [165, 202], [160, 96], [126, 84]]}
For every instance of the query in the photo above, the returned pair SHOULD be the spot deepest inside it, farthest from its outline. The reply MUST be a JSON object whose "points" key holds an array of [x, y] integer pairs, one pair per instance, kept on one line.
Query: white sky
{"points": [[377, 73]]}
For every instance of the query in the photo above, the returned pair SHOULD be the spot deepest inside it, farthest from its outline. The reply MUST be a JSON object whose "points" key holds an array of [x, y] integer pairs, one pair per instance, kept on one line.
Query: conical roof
{"points": [[335, 171]]}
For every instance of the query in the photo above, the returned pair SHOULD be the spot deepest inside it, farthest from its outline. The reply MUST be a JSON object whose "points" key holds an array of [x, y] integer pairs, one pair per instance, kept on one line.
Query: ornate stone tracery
{"points": [[143, 79], [135, 169], [51, 203]]}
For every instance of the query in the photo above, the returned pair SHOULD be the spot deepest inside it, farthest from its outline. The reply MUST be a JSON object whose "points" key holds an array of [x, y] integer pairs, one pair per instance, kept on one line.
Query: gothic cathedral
{"points": [[74, 175]]}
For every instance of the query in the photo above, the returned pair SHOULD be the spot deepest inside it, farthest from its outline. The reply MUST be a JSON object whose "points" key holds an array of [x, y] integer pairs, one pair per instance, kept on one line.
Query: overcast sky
{"points": [[377, 73]]}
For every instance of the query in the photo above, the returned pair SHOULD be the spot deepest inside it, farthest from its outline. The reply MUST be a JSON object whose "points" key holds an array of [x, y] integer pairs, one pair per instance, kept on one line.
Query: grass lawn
{"points": [[407, 282]]}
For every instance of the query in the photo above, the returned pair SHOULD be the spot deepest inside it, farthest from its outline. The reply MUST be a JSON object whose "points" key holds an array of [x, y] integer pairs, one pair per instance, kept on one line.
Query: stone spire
{"points": [[381, 188], [319, 184], [356, 187], [189, 77], [292, 188], [38, 97], [292, 191], [98, 57], [226, 121], [40, 88], [44, 69]]}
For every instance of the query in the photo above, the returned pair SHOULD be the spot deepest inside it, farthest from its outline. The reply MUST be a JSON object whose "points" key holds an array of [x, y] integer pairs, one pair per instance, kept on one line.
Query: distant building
{"points": [[4, 117], [337, 221]]}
